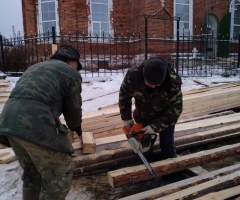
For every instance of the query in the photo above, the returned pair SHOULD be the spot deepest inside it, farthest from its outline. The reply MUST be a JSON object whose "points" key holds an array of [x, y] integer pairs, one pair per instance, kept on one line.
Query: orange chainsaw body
{"points": [[136, 128]]}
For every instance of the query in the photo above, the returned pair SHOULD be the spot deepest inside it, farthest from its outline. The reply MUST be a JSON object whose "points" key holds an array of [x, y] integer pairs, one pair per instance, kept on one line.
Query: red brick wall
{"points": [[219, 8], [73, 16], [29, 17], [126, 16]]}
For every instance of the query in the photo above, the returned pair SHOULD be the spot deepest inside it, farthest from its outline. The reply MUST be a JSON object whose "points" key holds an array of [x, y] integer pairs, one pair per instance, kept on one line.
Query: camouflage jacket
{"points": [[159, 107], [44, 92]]}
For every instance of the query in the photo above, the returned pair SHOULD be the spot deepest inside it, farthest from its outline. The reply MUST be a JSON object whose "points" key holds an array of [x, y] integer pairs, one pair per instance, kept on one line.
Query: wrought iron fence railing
{"points": [[198, 55]]}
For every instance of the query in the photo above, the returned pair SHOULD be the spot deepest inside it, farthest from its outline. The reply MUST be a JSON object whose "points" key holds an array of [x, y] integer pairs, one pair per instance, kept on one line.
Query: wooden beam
{"points": [[130, 175], [222, 195], [193, 192], [119, 153], [4, 152], [184, 184], [88, 140]]}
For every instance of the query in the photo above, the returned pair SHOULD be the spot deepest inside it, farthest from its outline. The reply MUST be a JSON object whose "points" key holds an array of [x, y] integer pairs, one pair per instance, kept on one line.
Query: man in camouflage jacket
{"points": [[156, 89], [30, 123]]}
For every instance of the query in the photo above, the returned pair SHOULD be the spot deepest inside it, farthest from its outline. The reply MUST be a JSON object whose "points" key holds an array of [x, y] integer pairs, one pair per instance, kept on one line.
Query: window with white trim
{"points": [[100, 17], [235, 18], [183, 9], [48, 16]]}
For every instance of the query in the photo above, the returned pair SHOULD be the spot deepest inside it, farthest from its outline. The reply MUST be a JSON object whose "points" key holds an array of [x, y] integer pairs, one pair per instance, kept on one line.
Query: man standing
{"points": [[30, 124], [156, 89]]}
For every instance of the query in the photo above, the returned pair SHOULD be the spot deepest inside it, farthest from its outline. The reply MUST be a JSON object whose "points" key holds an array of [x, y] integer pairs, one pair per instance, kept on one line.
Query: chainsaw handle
{"points": [[134, 128], [125, 130]]}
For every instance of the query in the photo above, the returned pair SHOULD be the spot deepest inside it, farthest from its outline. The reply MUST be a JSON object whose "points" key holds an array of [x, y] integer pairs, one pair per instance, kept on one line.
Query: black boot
{"points": [[30, 194]]}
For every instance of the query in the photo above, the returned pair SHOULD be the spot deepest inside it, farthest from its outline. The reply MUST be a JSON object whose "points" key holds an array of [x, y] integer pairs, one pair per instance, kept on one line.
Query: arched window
{"points": [[235, 18], [100, 17], [183, 9], [48, 16]]}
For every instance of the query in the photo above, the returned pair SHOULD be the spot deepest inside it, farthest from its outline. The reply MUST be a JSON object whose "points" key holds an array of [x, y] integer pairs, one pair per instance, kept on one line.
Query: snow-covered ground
{"points": [[96, 93]]}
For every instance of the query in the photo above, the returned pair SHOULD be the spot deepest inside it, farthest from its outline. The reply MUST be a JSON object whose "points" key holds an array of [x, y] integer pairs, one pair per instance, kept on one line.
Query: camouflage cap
{"points": [[154, 71], [69, 53]]}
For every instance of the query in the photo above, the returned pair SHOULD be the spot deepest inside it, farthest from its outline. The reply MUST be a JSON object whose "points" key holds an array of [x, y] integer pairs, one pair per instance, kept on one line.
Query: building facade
{"points": [[127, 16]]}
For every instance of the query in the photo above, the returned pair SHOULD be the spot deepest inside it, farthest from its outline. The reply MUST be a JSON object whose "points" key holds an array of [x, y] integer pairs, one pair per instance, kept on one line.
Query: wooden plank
{"points": [[228, 112], [4, 152], [180, 185], [118, 155], [88, 150], [111, 139], [209, 134], [206, 124], [77, 145], [206, 141], [223, 194], [3, 99], [139, 173], [201, 83], [193, 192], [88, 140], [205, 188], [8, 158]]}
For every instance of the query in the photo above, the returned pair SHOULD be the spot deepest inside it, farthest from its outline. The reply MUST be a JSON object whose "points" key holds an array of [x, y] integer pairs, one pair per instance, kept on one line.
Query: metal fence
{"points": [[198, 55]]}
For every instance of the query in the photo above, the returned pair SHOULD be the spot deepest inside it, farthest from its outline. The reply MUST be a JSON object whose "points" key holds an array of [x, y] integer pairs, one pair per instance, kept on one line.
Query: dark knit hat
{"points": [[154, 71], [68, 52]]}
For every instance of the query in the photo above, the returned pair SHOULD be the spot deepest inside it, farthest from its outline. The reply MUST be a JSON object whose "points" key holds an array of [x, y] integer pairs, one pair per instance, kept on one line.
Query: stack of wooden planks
{"points": [[4, 92], [107, 122], [112, 151]]}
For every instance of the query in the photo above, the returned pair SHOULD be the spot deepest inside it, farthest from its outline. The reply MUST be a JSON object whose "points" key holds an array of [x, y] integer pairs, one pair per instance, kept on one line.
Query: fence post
{"points": [[146, 38], [2, 53], [238, 50], [177, 56], [53, 35]]}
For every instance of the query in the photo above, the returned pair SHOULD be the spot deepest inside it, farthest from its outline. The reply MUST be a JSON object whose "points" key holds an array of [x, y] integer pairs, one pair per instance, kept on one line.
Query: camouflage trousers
{"points": [[49, 172]]}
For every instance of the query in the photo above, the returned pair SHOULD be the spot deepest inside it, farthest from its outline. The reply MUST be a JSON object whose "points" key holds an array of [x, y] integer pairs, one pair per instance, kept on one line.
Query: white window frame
{"points": [[90, 25], [190, 17], [40, 27], [232, 9]]}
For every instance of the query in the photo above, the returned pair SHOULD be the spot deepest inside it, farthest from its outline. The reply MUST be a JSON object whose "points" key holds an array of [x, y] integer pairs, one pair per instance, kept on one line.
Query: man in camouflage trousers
{"points": [[156, 89], [30, 124]]}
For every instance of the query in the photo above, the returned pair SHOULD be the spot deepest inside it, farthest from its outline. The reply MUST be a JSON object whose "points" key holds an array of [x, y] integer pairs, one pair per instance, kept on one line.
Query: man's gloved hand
{"points": [[147, 129], [78, 130], [128, 123]]}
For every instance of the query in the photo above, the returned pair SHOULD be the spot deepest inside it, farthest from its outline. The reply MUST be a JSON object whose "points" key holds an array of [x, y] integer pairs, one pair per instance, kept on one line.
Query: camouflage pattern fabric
{"points": [[44, 92], [159, 107], [49, 172]]}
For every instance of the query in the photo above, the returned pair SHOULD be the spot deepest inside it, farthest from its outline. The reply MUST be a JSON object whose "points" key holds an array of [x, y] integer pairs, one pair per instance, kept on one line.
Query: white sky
{"points": [[11, 15]]}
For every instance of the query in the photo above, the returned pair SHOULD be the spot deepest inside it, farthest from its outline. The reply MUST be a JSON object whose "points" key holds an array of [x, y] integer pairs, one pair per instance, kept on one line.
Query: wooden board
{"points": [[4, 152], [130, 175], [222, 195], [184, 184], [8, 158], [88, 140], [217, 184]]}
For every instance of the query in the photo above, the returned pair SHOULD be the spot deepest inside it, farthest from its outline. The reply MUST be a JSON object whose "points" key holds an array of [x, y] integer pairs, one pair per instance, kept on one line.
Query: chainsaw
{"points": [[141, 143]]}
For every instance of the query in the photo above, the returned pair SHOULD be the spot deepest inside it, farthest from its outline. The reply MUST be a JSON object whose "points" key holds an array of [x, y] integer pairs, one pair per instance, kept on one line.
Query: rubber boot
{"points": [[29, 194]]}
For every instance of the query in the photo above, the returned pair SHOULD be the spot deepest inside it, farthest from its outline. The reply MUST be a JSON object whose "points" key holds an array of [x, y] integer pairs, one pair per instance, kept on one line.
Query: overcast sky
{"points": [[11, 15]]}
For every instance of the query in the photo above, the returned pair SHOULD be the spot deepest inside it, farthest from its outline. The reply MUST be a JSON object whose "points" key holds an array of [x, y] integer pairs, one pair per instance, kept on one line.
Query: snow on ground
{"points": [[96, 93]]}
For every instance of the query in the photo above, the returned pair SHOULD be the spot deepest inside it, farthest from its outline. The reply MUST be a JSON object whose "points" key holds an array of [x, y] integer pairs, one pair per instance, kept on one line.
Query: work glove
{"points": [[78, 130], [147, 129], [128, 123]]}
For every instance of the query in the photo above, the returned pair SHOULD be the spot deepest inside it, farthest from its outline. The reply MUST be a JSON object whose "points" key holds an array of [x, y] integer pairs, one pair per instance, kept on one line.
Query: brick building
{"points": [[128, 18]]}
